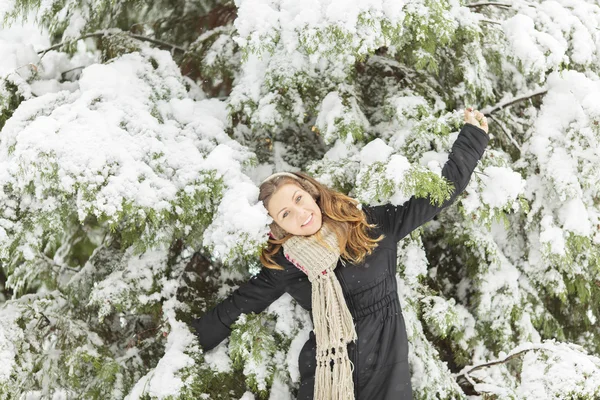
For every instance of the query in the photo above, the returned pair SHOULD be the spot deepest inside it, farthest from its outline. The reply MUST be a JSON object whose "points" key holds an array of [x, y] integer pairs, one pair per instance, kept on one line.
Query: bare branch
{"points": [[489, 110], [55, 266], [111, 33], [59, 45], [157, 42], [504, 5], [490, 21], [71, 70], [501, 125], [465, 372]]}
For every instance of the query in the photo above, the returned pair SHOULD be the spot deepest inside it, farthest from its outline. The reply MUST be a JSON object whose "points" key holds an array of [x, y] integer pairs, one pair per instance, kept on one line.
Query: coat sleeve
{"points": [[254, 295], [399, 221]]}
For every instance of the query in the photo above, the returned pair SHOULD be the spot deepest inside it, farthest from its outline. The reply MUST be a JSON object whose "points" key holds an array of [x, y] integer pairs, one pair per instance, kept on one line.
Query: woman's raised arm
{"points": [[252, 296], [399, 221]]}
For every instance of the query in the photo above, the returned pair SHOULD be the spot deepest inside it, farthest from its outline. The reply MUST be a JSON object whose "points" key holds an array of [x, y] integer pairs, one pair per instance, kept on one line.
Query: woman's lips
{"points": [[310, 220]]}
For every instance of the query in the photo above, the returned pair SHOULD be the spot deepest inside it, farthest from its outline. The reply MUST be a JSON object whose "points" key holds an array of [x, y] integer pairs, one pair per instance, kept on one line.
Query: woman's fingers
{"points": [[482, 120], [470, 116], [476, 118], [468, 112]]}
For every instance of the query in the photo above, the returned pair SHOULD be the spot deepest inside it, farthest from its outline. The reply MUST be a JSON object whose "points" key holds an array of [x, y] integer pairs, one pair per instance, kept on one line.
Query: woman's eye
{"points": [[298, 198], [285, 214]]}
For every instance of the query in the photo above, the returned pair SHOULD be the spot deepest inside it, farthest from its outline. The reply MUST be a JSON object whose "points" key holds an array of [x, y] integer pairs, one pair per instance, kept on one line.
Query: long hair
{"points": [[339, 211]]}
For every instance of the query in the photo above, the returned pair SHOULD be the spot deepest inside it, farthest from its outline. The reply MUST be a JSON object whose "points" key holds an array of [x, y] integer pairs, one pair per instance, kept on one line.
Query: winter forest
{"points": [[134, 135]]}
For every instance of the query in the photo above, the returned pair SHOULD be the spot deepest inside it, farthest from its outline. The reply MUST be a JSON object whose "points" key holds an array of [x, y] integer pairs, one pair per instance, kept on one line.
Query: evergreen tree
{"points": [[134, 134]]}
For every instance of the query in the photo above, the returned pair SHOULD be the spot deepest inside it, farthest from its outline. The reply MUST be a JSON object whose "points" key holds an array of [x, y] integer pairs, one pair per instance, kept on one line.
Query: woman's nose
{"points": [[302, 216]]}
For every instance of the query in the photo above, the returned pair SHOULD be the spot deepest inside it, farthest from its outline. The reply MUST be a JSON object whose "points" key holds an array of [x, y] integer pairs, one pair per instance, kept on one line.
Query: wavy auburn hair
{"points": [[339, 211]]}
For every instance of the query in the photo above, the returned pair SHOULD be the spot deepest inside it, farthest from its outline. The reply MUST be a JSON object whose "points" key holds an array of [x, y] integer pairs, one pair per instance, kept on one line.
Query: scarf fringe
{"points": [[334, 329], [333, 379]]}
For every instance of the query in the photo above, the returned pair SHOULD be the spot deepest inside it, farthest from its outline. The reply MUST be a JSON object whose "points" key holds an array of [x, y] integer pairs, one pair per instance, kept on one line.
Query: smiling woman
{"points": [[300, 205], [294, 210], [338, 261]]}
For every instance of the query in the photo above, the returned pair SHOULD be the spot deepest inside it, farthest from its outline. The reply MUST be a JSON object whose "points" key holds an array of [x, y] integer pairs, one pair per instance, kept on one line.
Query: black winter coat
{"points": [[380, 355]]}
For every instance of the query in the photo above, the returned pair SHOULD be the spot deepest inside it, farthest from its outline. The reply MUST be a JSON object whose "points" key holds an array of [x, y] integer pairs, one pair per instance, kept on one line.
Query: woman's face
{"points": [[295, 210]]}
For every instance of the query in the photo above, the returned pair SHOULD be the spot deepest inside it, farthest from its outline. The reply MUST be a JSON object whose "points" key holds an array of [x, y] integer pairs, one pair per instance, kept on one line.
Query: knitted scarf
{"points": [[332, 320]]}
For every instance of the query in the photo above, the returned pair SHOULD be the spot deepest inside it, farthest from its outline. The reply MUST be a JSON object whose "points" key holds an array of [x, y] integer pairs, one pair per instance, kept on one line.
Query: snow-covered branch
{"points": [[504, 104]]}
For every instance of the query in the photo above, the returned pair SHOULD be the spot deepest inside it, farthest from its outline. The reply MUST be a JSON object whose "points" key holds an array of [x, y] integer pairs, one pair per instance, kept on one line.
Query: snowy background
{"points": [[133, 136]]}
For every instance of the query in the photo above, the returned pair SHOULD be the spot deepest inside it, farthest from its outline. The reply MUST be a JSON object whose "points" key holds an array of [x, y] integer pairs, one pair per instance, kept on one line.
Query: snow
{"points": [[552, 235], [125, 143], [279, 390], [294, 352], [564, 148], [339, 151], [375, 151], [218, 358], [238, 214], [332, 110], [550, 370], [9, 334], [501, 186], [163, 380], [283, 308], [574, 217], [259, 19], [132, 283], [553, 33], [151, 164], [500, 289]]}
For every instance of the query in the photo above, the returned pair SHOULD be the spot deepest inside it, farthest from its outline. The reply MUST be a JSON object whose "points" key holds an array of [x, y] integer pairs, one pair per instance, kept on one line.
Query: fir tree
{"points": [[133, 137]]}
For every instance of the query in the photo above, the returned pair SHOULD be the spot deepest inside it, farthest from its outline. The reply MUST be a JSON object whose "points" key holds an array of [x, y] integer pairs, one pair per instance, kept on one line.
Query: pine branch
{"points": [[220, 15], [489, 110]]}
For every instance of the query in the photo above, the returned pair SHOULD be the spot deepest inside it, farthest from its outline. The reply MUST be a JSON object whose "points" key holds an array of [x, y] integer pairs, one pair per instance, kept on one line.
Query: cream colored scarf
{"points": [[332, 320]]}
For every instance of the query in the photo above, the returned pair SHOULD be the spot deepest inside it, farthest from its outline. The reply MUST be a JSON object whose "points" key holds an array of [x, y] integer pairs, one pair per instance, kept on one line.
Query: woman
{"points": [[363, 249]]}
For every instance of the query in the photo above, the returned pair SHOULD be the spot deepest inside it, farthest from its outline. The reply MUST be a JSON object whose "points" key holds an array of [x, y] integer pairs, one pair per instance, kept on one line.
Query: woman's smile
{"points": [[308, 221]]}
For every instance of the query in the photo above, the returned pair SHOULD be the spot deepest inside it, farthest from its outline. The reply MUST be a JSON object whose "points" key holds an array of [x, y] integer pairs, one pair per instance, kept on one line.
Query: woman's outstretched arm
{"points": [[252, 296], [399, 221]]}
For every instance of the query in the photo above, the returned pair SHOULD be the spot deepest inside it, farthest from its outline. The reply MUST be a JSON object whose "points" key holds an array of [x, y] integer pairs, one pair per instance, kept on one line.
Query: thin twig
{"points": [[55, 265], [489, 4], [15, 71], [499, 106], [72, 69], [158, 42], [470, 380], [107, 33], [59, 45], [517, 145], [39, 325], [490, 21], [466, 372]]}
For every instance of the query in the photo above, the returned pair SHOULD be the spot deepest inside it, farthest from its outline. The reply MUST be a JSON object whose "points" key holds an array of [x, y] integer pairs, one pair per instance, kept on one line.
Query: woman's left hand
{"points": [[476, 118]]}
